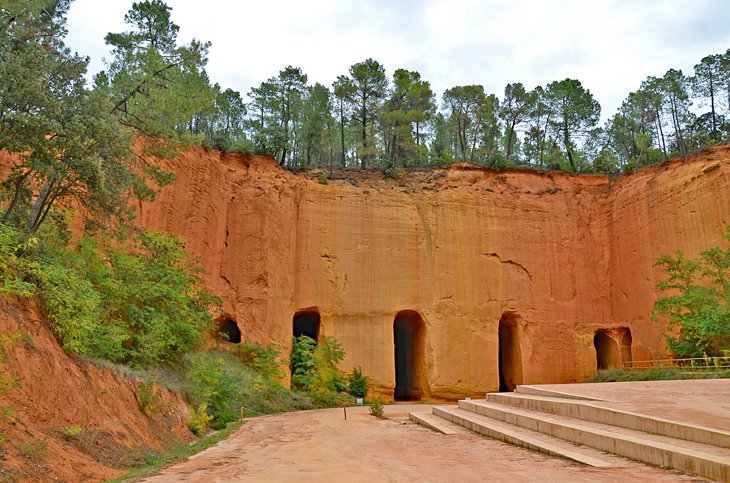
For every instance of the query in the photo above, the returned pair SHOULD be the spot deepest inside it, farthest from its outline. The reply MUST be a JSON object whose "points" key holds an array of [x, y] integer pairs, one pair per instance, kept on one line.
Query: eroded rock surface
{"points": [[558, 257]]}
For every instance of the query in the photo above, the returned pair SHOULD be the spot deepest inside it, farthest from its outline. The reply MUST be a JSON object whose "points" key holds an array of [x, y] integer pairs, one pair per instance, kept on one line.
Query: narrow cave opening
{"points": [[607, 351], [409, 340], [510, 353], [230, 329], [306, 323]]}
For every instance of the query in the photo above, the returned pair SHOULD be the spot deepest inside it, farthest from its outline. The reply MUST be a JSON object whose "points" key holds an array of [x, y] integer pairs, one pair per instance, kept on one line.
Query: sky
{"points": [[611, 46]]}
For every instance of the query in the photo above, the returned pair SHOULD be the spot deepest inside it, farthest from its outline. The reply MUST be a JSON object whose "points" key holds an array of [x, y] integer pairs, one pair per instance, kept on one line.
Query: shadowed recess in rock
{"points": [[607, 354], [306, 323], [510, 353], [229, 327], [613, 347], [408, 339]]}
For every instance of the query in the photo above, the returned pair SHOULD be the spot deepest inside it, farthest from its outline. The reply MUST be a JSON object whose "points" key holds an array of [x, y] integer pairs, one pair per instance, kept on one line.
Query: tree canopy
{"points": [[76, 144], [696, 302]]}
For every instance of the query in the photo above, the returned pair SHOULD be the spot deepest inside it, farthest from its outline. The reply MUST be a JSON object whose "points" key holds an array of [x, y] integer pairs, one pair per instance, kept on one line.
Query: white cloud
{"points": [[609, 45]]}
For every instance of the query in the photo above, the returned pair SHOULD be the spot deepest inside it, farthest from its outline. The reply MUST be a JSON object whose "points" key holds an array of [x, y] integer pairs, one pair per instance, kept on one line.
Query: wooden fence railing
{"points": [[703, 364]]}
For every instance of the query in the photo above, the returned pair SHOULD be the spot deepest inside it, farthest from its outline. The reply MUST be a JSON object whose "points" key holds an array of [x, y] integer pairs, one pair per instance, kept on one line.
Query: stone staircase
{"points": [[581, 430]]}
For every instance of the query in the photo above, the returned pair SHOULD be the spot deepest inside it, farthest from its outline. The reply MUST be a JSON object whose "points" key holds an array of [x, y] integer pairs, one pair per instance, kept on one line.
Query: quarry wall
{"points": [[465, 279]]}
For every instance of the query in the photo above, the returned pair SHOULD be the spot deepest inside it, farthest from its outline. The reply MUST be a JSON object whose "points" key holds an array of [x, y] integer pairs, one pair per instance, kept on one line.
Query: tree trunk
{"points": [[342, 134], [661, 136], [568, 148], [363, 158], [509, 138], [712, 109], [677, 127], [16, 197], [35, 212]]}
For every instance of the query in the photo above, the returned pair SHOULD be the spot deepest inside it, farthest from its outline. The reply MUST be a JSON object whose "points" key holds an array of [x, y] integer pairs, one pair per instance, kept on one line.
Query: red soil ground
{"points": [[322, 446]]}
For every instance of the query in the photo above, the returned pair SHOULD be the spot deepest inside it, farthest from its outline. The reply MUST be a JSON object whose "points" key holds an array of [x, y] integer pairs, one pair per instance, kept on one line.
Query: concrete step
{"points": [[436, 423], [540, 391], [593, 411], [705, 460], [527, 438]]}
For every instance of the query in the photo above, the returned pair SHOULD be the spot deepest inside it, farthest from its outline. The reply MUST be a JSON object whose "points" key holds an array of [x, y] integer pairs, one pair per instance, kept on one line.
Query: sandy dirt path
{"points": [[321, 446]]}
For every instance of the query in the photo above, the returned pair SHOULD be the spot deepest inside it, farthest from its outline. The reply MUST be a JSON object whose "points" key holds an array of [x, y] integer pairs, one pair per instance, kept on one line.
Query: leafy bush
{"points": [[33, 449], [376, 408], [7, 380], [358, 383], [139, 302], [314, 366], [72, 431], [15, 263], [199, 418], [302, 361], [215, 386], [696, 302], [393, 172], [148, 397], [264, 360]]}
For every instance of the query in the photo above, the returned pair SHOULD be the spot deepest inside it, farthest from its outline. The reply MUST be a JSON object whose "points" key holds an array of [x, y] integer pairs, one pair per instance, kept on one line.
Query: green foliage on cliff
{"points": [[138, 301], [82, 146], [358, 386], [230, 387], [314, 366], [696, 302]]}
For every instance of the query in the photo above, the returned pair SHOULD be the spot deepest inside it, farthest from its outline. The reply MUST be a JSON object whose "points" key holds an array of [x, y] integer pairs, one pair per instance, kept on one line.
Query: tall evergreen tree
{"points": [[371, 85], [291, 86], [409, 105], [516, 109], [462, 104], [707, 83], [575, 112], [344, 91], [75, 144], [674, 89]]}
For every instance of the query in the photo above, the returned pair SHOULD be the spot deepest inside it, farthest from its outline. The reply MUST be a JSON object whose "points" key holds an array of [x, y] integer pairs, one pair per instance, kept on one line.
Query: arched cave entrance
{"points": [[613, 347], [510, 353], [409, 342], [306, 322], [229, 327]]}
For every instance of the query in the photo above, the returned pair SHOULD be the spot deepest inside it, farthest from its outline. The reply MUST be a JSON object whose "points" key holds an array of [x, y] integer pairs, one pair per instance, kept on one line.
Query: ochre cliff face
{"points": [[555, 258]]}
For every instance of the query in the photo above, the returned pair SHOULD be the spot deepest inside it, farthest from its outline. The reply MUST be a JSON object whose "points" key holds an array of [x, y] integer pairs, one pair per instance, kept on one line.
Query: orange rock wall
{"points": [[561, 256]]}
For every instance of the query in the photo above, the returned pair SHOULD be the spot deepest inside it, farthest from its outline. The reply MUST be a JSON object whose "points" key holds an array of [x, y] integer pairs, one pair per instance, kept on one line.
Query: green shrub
{"points": [[227, 386], [33, 449], [7, 380], [139, 302], [215, 386], [16, 263], [264, 360], [394, 173], [199, 418], [302, 361], [322, 179], [314, 366], [358, 383], [72, 431], [376, 408], [696, 302], [148, 397]]}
